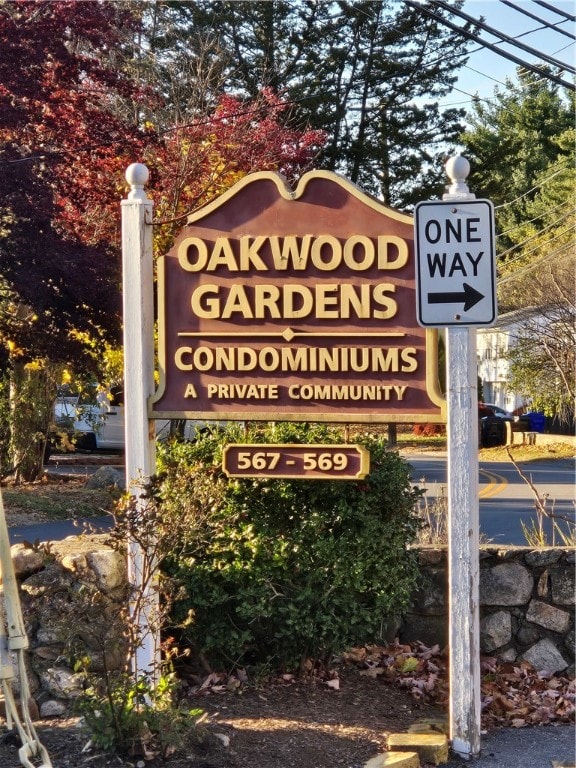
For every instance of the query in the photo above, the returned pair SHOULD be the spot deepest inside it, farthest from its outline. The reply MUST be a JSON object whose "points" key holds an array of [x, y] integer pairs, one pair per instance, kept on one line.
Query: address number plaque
{"points": [[312, 462]]}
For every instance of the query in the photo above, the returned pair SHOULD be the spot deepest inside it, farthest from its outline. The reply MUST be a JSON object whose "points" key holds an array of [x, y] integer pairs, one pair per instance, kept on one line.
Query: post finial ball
{"points": [[137, 175], [457, 168]]}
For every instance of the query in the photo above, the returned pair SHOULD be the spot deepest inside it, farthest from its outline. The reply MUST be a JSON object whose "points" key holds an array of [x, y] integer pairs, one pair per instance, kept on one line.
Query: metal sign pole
{"points": [[138, 305], [463, 516]]}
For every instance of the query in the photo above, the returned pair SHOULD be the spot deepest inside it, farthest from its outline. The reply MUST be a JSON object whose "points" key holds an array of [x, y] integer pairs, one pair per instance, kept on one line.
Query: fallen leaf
{"points": [[372, 672]]}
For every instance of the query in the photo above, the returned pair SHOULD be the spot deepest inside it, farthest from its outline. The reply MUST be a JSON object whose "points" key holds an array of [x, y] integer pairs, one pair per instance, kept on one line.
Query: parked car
{"points": [[492, 430], [485, 412], [500, 412], [100, 426]]}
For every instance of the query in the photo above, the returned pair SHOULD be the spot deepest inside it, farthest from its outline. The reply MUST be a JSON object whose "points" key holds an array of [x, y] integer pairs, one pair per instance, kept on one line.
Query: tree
{"points": [[540, 272], [522, 152], [61, 151], [70, 123], [197, 162], [513, 140], [542, 361], [362, 73]]}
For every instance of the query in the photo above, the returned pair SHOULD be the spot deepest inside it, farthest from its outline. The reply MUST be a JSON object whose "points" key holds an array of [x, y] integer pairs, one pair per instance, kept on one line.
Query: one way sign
{"points": [[456, 273]]}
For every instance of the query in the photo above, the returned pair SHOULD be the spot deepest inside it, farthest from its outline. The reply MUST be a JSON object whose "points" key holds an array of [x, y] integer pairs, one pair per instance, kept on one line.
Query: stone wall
{"points": [[72, 598], [526, 604]]}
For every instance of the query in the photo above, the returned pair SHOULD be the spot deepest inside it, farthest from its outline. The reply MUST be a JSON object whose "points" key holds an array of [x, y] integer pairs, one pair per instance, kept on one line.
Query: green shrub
{"points": [[137, 718], [278, 571]]}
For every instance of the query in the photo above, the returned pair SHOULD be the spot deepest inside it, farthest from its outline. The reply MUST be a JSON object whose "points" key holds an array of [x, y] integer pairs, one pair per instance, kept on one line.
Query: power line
{"points": [[534, 188], [262, 109], [475, 97], [554, 26], [292, 102], [503, 37], [553, 8], [536, 263], [534, 237], [546, 212], [488, 100], [520, 62]]}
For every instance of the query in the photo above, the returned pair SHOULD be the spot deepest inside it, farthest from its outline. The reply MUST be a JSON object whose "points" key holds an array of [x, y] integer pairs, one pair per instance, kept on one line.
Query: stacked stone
{"points": [[48, 586], [526, 597], [527, 604]]}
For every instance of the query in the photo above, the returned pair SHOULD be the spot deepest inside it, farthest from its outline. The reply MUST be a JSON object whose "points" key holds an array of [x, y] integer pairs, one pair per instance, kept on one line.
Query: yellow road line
{"points": [[496, 484]]}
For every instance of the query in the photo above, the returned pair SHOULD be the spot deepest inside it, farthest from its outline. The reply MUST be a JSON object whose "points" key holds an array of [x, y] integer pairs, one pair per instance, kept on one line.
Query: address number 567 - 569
{"points": [[346, 462]]}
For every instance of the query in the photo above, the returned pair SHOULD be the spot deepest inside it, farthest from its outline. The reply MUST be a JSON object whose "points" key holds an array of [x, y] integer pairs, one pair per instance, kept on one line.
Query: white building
{"points": [[492, 347]]}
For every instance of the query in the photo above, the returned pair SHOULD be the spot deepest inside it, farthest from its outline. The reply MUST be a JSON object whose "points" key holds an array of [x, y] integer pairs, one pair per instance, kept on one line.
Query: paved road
{"points": [[545, 747], [506, 500], [57, 529], [60, 529]]}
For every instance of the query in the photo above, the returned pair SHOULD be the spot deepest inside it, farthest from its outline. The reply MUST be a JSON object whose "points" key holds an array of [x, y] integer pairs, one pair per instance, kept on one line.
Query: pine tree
{"points": [[513, 139], [367, 73], [521, 147]]}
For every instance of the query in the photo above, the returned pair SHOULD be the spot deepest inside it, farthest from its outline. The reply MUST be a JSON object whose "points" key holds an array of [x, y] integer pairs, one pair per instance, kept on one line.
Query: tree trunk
{"points": [[33, 389]]}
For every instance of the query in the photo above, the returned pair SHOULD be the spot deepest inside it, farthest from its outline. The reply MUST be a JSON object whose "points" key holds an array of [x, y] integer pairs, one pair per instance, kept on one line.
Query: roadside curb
{"points": [[74, 459]]}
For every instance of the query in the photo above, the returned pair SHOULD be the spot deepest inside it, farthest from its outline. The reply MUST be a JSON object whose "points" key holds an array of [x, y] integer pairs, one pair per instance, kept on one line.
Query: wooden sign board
{"points": [[298, 305], [296, 461]]}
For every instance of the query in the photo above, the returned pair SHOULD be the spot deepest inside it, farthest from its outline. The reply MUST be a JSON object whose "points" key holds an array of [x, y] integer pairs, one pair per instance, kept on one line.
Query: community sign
{"points": [[294, 305]]}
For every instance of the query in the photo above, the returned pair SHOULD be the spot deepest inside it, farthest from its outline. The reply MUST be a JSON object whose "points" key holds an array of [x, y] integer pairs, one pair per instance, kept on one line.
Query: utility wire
{"points": [[535, 237], [538, 247], [536, 263], [292, 102], [553, 8], [505, 54], [546, 212], [547, 24], [505, 38], [537, 186]]}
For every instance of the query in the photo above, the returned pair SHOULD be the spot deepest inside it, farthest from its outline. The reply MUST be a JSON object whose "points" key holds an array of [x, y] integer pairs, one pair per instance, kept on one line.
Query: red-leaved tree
{"points": [[197, 162], [65, 142]]}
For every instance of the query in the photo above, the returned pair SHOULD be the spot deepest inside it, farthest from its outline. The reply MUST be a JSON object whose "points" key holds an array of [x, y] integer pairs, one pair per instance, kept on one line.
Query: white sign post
{"points": [[456, 288], [138, 305]]}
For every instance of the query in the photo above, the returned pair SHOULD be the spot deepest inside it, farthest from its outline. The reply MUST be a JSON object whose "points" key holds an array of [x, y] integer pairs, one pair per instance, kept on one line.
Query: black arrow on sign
{"points": [[470, 296]]}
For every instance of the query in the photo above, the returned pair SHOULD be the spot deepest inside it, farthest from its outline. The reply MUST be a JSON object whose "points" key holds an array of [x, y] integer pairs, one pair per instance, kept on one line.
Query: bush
{"points": [[279, 571]]}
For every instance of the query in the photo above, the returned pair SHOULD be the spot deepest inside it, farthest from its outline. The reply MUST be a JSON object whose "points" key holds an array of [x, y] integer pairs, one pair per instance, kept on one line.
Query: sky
{"points": [[486, 70]]}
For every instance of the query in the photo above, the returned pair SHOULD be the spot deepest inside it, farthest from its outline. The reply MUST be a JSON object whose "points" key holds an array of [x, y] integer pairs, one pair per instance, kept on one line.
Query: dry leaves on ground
{"points": [[336, 716], [513, 693]]}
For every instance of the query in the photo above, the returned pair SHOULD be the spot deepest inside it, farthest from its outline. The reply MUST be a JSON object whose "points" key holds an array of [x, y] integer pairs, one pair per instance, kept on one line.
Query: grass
{"points": [[550, 451], [56, 501], [407, 441], [416, 442]]}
